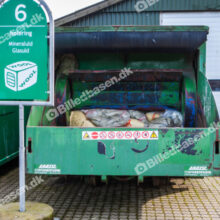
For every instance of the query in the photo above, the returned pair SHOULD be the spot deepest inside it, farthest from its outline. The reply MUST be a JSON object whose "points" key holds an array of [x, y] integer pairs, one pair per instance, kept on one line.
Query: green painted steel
{"points": [[9, 132], [64, 148], [205, 95], [38, 113], [132, 28], [193, 150], [124, 13], [216, 163], [167, 93]]}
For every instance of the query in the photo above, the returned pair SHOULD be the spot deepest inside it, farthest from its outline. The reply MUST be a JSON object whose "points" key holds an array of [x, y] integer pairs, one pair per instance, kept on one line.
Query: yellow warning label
{"points": [[154, 135], [86, 136]]}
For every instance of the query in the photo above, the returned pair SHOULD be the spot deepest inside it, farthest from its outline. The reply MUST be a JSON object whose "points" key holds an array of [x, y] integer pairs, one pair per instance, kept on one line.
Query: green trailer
{"points": [[166, 69]]}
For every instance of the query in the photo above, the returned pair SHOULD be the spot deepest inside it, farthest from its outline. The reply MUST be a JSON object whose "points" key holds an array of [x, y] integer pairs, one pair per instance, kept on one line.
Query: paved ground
{"points": [[73, 199]]}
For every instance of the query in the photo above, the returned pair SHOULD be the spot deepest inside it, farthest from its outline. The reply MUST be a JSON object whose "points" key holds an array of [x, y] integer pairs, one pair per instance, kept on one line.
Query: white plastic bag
{"points": [[139, 116], [170, 118], [108, 117], [174, 118]]}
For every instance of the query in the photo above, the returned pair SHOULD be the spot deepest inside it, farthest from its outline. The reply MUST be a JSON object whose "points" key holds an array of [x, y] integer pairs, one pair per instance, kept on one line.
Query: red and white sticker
{"points": [[120, 135], [95, 135], [136, 134], [103, 135], [145, 134], [111, 135], [128, 135]]}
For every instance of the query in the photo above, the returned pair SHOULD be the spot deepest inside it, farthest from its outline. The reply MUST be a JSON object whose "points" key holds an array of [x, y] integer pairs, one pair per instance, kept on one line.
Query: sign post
{"points": [[25, 61], [21, 159]]}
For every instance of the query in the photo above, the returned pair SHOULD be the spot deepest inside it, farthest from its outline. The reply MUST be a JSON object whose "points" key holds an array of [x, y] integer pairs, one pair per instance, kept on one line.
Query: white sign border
{"points": [[51, 91]]}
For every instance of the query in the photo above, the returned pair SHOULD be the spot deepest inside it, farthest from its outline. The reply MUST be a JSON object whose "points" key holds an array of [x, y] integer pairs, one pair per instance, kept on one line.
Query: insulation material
{"points": [[140, 116], [123, 118], [169, 118], [159, 123], [174, 118], [153, 115], [134, 123], [108, 117], [88, 124], [77, 119], [57, 62], [66, 64]]}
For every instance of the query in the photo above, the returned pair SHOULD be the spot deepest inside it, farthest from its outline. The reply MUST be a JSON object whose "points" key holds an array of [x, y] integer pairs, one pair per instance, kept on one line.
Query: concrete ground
{"points": [[71, 198]]}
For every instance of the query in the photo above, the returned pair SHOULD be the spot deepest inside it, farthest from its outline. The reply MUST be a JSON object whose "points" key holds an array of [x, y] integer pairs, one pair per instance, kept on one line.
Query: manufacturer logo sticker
{"points": [[47, 169], [197, 171]]}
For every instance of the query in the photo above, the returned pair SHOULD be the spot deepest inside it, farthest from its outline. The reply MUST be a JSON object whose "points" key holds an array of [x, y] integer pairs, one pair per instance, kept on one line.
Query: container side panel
{"points": [[76, 151], [8, 133]]}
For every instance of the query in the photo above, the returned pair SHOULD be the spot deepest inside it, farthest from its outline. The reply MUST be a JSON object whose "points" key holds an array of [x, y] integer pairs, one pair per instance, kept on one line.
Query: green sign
{"points": [[23, 51]]}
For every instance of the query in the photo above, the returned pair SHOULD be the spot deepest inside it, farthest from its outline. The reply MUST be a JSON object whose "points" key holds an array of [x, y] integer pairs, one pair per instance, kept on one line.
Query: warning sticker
{"points": [[128, 135], [120, 135], [86, 136], [95, 135], [111, 135], [154, 135], [136, 134], [145, 134], [103, 135]]}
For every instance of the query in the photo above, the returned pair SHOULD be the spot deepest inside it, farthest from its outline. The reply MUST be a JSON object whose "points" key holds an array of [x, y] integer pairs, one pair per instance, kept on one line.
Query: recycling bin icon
{"points": [[21, 75]]}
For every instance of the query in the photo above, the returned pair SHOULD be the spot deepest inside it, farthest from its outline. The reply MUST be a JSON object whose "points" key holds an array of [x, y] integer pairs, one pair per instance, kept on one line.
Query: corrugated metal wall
{"points": [[169, 5], [118, 18], [124, 13]]}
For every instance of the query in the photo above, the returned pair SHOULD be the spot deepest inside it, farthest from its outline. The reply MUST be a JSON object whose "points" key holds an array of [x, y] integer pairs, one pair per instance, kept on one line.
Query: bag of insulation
{"points": [[78, 119], [138, 119], [66, 63], [134, 123], [170, 118], [107, 117]]}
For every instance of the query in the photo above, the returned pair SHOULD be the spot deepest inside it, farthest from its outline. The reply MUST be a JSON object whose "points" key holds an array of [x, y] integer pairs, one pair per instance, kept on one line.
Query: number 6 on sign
{"points": [[22, 13], [26, 71]]}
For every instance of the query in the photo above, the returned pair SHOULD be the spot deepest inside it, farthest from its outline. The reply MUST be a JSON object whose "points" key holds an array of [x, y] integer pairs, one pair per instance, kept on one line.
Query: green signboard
{"points": [[23, 51]]}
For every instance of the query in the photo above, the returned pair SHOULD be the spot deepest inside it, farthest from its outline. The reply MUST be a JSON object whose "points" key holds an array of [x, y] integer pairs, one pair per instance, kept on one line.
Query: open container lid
{"points": [[73, 39]]}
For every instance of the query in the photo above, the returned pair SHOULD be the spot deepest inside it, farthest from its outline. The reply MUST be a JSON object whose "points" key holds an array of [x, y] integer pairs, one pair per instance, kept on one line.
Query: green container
{"points": [[9, 132], [168, 65]]}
